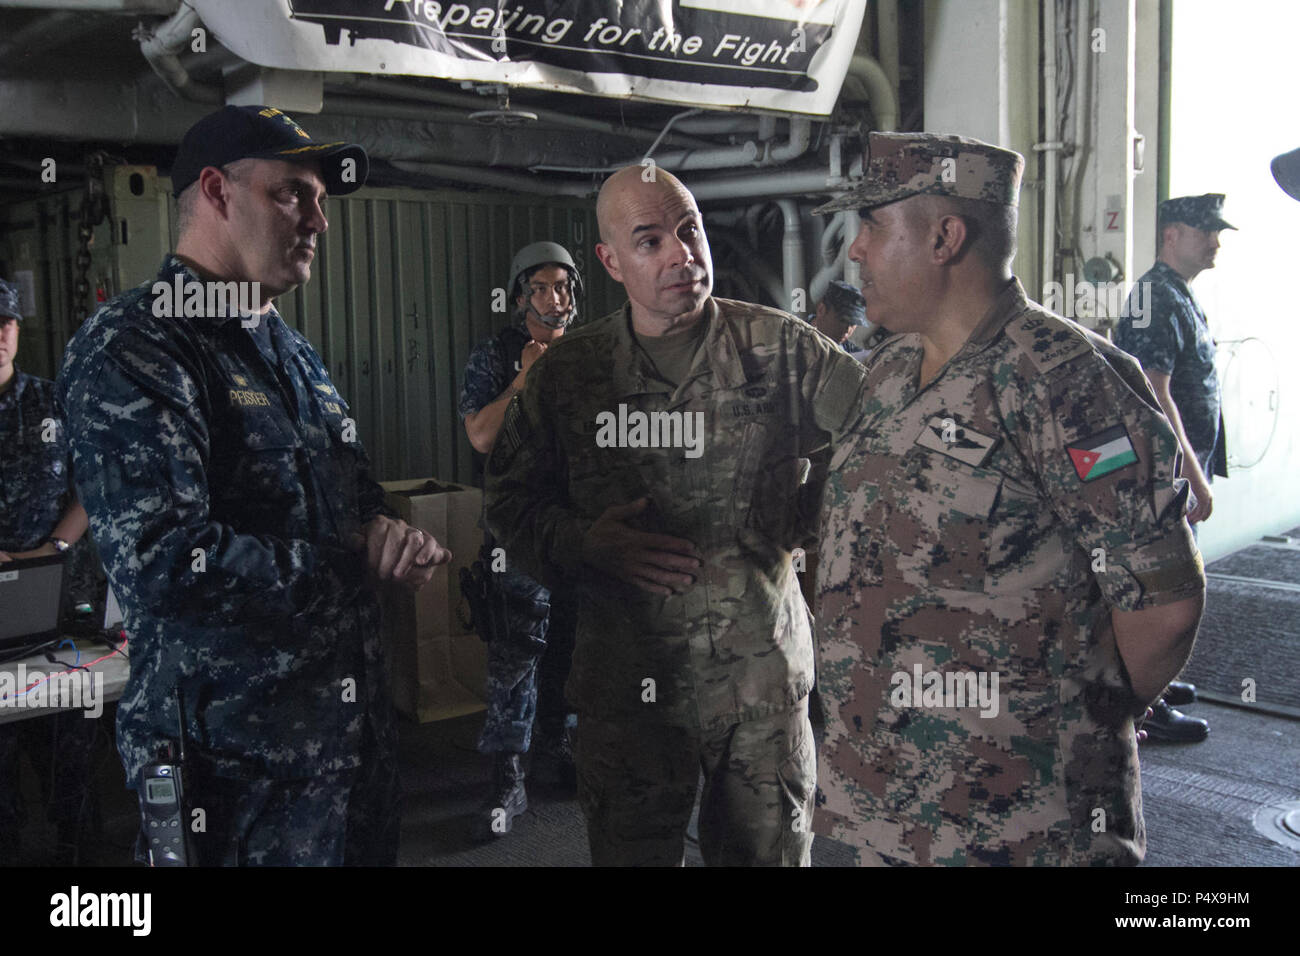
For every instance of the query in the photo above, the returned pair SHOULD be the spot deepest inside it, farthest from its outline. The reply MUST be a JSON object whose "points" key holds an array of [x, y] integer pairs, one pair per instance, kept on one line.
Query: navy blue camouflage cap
{"points": [[847, 302], [263, 132], [1199, 212], [1286, 170], [9, 302], [900, 165]]}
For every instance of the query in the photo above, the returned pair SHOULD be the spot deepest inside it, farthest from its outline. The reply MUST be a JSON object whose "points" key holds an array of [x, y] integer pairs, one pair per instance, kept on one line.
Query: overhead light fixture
{"points": [[503, 115]]}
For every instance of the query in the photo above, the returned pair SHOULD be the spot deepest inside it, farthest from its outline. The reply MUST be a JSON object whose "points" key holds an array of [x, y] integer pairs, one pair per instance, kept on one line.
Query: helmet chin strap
{"points": [[547, 320]]}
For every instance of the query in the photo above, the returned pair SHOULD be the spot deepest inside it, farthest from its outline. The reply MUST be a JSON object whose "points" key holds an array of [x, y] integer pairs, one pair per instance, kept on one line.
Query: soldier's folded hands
{"points": [[658, 563]]}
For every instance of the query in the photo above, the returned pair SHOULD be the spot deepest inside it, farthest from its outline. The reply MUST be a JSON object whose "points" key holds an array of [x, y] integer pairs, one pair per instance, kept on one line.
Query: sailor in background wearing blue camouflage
{"points": [[526, 669], [839, 312], [237, 518], [39, 517], [1172, 341], [1006, 576]]}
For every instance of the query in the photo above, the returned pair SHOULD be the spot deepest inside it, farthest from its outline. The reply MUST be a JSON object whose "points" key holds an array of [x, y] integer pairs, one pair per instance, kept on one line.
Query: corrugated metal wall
{"points": [[401, 290]]}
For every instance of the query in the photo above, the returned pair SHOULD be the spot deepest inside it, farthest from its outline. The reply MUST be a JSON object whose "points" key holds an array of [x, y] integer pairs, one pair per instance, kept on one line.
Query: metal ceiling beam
{"points": [[157, 7]]}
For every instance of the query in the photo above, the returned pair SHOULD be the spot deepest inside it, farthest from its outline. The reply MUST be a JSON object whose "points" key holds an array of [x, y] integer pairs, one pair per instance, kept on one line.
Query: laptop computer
{"points": [[29, 600]]}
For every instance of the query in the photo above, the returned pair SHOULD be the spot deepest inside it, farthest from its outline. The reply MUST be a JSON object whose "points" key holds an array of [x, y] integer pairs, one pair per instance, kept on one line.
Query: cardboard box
{"points": [[439, 665]]}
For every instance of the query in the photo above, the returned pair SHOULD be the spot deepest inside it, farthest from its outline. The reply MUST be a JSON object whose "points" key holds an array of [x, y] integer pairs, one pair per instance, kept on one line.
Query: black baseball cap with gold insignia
{"points": [[263, 132], [1200, 212]]}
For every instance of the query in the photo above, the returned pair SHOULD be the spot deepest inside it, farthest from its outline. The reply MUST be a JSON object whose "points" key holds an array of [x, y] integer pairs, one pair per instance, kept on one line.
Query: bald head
{"points": [[627, 185], [652, 241]]}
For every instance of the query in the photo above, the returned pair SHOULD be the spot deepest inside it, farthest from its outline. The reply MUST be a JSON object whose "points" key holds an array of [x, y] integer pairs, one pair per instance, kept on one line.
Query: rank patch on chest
{"points": [[1102, 453], [946, 435]]}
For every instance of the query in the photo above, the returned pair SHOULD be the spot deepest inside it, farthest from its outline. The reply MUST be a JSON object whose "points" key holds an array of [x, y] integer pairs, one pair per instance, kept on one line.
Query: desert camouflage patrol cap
{"points": [[9, 302], [1199, 212], [913, 164]]}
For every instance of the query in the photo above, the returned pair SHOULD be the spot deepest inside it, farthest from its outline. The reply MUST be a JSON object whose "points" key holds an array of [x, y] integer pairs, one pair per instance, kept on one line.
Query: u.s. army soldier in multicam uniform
{"points": [[1006, 575], [694, 647], [238, 519]]}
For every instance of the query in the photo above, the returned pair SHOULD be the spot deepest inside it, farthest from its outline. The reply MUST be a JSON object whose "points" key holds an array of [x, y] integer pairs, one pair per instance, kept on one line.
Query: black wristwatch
{"points": [[60, 545]]}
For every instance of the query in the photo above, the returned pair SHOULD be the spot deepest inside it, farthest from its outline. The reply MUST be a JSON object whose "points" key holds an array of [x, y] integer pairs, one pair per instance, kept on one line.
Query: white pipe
{"points": [[822, 280], [884, 100], [766, 184], [795, 146], [792, 265], [831, 244], [887, 38], [161, 48], [1050, 146], [713, 124], [719, 157], [667, 126]]}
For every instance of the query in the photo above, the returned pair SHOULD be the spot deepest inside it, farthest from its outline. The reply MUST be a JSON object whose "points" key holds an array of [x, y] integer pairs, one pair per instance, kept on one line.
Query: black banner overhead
{"points": [[788, 55]]}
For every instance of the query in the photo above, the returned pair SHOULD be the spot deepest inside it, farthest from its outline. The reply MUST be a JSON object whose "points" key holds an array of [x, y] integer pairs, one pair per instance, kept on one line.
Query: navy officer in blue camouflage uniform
{"points": [[39, 517], [840, 311], [1172, 340], [237, 517], [527, 668]]}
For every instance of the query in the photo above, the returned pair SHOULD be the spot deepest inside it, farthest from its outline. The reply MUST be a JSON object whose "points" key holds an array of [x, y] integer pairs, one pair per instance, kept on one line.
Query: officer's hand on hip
{"points": [[658, 563], [397, 552], [1204, 500]]}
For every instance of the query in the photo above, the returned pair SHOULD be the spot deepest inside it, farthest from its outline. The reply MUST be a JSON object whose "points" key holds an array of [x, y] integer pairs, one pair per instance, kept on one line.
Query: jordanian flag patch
{"points": [[1102, 453]]}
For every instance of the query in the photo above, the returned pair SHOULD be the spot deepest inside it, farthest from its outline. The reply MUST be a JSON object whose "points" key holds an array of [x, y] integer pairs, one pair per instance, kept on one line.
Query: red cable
{"points": [[69, 670]]}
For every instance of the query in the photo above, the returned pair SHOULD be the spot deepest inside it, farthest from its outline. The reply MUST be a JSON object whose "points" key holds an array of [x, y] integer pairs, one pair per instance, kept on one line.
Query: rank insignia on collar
{"points": [[946, 435]]}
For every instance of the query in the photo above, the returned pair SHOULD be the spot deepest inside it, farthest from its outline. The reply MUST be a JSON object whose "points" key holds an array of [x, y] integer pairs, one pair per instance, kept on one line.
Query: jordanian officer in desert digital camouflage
{"points": [[694, 647], [1006, 577], [239, 524]]}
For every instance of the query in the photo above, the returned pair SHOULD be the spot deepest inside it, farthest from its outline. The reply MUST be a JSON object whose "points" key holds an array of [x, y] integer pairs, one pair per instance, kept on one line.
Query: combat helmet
{"points": [[538, 254]]}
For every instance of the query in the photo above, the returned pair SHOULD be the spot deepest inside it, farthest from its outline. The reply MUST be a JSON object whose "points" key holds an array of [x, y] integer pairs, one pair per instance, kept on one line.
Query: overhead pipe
{"points": [[43, 33], [366, 106], [162, 8], [713, 123], [716, 157], [515, 182], [767, 184], [473, 101], [160, 46]]}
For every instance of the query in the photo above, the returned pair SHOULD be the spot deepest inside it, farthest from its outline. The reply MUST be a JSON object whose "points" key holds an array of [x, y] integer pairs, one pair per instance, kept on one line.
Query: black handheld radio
{"points": [[162, 804]]}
